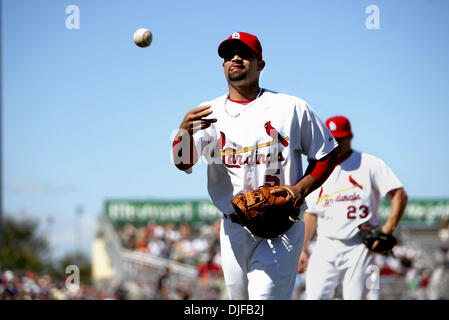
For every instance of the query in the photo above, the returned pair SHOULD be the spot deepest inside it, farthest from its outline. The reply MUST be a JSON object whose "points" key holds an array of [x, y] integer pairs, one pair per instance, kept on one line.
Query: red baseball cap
{"points": [[339, 126], [248, 39]]}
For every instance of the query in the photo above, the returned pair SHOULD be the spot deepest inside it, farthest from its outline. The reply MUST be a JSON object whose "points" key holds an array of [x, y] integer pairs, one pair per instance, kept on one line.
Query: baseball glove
{"points": [[264, 214], [369, 234]]}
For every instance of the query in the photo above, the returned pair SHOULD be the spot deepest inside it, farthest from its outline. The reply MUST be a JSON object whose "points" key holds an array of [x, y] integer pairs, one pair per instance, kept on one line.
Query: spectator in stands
{"points": [[163, 286], [443, 233], [208, 266], [388, 266], [141, 240], [128, 236], [182, 292]]}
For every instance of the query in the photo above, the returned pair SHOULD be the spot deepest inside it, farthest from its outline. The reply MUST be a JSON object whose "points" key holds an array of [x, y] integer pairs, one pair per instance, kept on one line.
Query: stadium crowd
{"points": [[405, 271], [196, 246], [184, 244], [29, 285]]}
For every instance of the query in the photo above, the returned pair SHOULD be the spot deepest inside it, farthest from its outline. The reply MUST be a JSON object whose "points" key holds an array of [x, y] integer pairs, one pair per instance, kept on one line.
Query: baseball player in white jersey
{"points": [[347, 199], [252, 137]]}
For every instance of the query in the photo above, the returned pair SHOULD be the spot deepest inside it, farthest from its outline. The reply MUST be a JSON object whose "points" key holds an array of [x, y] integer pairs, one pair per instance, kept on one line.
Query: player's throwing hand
{"points": [[194, 120]]}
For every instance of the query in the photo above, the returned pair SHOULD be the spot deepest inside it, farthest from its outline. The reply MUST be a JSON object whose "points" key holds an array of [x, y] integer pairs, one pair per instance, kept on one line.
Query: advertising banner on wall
{"points": [[422, 212], [140, 212]]}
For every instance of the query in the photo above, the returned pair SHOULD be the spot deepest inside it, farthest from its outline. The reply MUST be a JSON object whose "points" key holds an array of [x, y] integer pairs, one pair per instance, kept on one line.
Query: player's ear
{"points": [[260, 65]]}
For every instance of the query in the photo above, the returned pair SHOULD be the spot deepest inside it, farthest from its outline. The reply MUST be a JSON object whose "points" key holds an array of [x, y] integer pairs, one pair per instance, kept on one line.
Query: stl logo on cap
{"points": [[339, 126], [246, 38]]}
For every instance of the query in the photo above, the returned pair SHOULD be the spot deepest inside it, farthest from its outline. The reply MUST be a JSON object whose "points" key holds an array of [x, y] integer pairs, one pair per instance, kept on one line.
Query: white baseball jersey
{"points": [[259, 143], [351, 195], [254, 144]]}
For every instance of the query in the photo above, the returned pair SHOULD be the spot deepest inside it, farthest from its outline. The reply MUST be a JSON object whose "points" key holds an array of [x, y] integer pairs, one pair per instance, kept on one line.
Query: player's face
{"points": [[241, 65], [344, 145]]}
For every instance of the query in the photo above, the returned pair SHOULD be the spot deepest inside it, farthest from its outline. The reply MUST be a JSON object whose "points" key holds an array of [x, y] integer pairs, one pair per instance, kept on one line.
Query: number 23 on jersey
{"points": [[353, 212]]}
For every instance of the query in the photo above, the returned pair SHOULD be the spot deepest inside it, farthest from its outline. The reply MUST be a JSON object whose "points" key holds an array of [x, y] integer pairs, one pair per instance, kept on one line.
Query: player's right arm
{"points": [[310, 221], [184, 151]]}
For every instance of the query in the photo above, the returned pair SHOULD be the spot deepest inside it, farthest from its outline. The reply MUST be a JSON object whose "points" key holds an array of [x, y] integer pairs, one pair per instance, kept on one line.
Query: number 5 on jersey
{"points": [[272, 180]]}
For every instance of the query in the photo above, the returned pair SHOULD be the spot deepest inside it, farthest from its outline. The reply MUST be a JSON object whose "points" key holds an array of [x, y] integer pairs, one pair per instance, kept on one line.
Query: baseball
{"points": [[143, 37]]}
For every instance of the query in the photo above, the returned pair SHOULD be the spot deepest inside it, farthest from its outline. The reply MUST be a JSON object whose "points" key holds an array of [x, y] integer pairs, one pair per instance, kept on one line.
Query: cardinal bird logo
{"points": [[328, 198], [351, 179], [272, 132], [222, 140]]}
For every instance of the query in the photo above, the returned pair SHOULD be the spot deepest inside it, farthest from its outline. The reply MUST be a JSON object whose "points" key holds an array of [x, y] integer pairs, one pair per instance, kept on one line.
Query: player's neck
{"points": [[243, 93], [343, 156]]}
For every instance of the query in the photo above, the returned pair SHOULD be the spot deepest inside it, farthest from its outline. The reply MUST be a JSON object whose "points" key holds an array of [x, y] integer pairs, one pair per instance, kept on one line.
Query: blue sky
{"points": [[87, 115]]}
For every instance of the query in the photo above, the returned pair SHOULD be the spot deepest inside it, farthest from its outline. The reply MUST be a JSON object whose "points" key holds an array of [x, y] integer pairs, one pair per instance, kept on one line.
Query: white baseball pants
{"points": [[259, 269], [332, 261]]}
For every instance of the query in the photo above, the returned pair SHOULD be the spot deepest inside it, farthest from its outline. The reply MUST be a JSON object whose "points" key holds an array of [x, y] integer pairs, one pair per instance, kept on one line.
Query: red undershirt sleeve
{"points": [[321, 169]]}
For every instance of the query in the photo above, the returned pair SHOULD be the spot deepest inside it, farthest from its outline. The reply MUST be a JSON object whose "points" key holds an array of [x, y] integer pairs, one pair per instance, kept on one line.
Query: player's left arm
{"points": [[398, 203], [319, 145], [316, 174]]}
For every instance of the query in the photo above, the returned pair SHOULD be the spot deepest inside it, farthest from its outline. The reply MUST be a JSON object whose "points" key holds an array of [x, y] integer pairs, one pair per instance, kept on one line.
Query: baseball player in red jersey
{"points": [[349, 198], [253, 137]]}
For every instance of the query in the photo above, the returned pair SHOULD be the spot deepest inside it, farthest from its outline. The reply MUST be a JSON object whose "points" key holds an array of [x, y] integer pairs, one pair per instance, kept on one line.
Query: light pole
{"points": [[79, 238], [50, 221], [1, 140]]}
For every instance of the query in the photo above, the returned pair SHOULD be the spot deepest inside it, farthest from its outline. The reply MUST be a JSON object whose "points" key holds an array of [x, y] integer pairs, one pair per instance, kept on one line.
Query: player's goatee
{"points": [[237, 76]]}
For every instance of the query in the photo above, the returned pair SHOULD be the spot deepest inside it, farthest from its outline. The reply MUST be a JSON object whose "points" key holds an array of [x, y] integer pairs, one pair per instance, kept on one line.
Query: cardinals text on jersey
{"points": [[351, 195]]}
